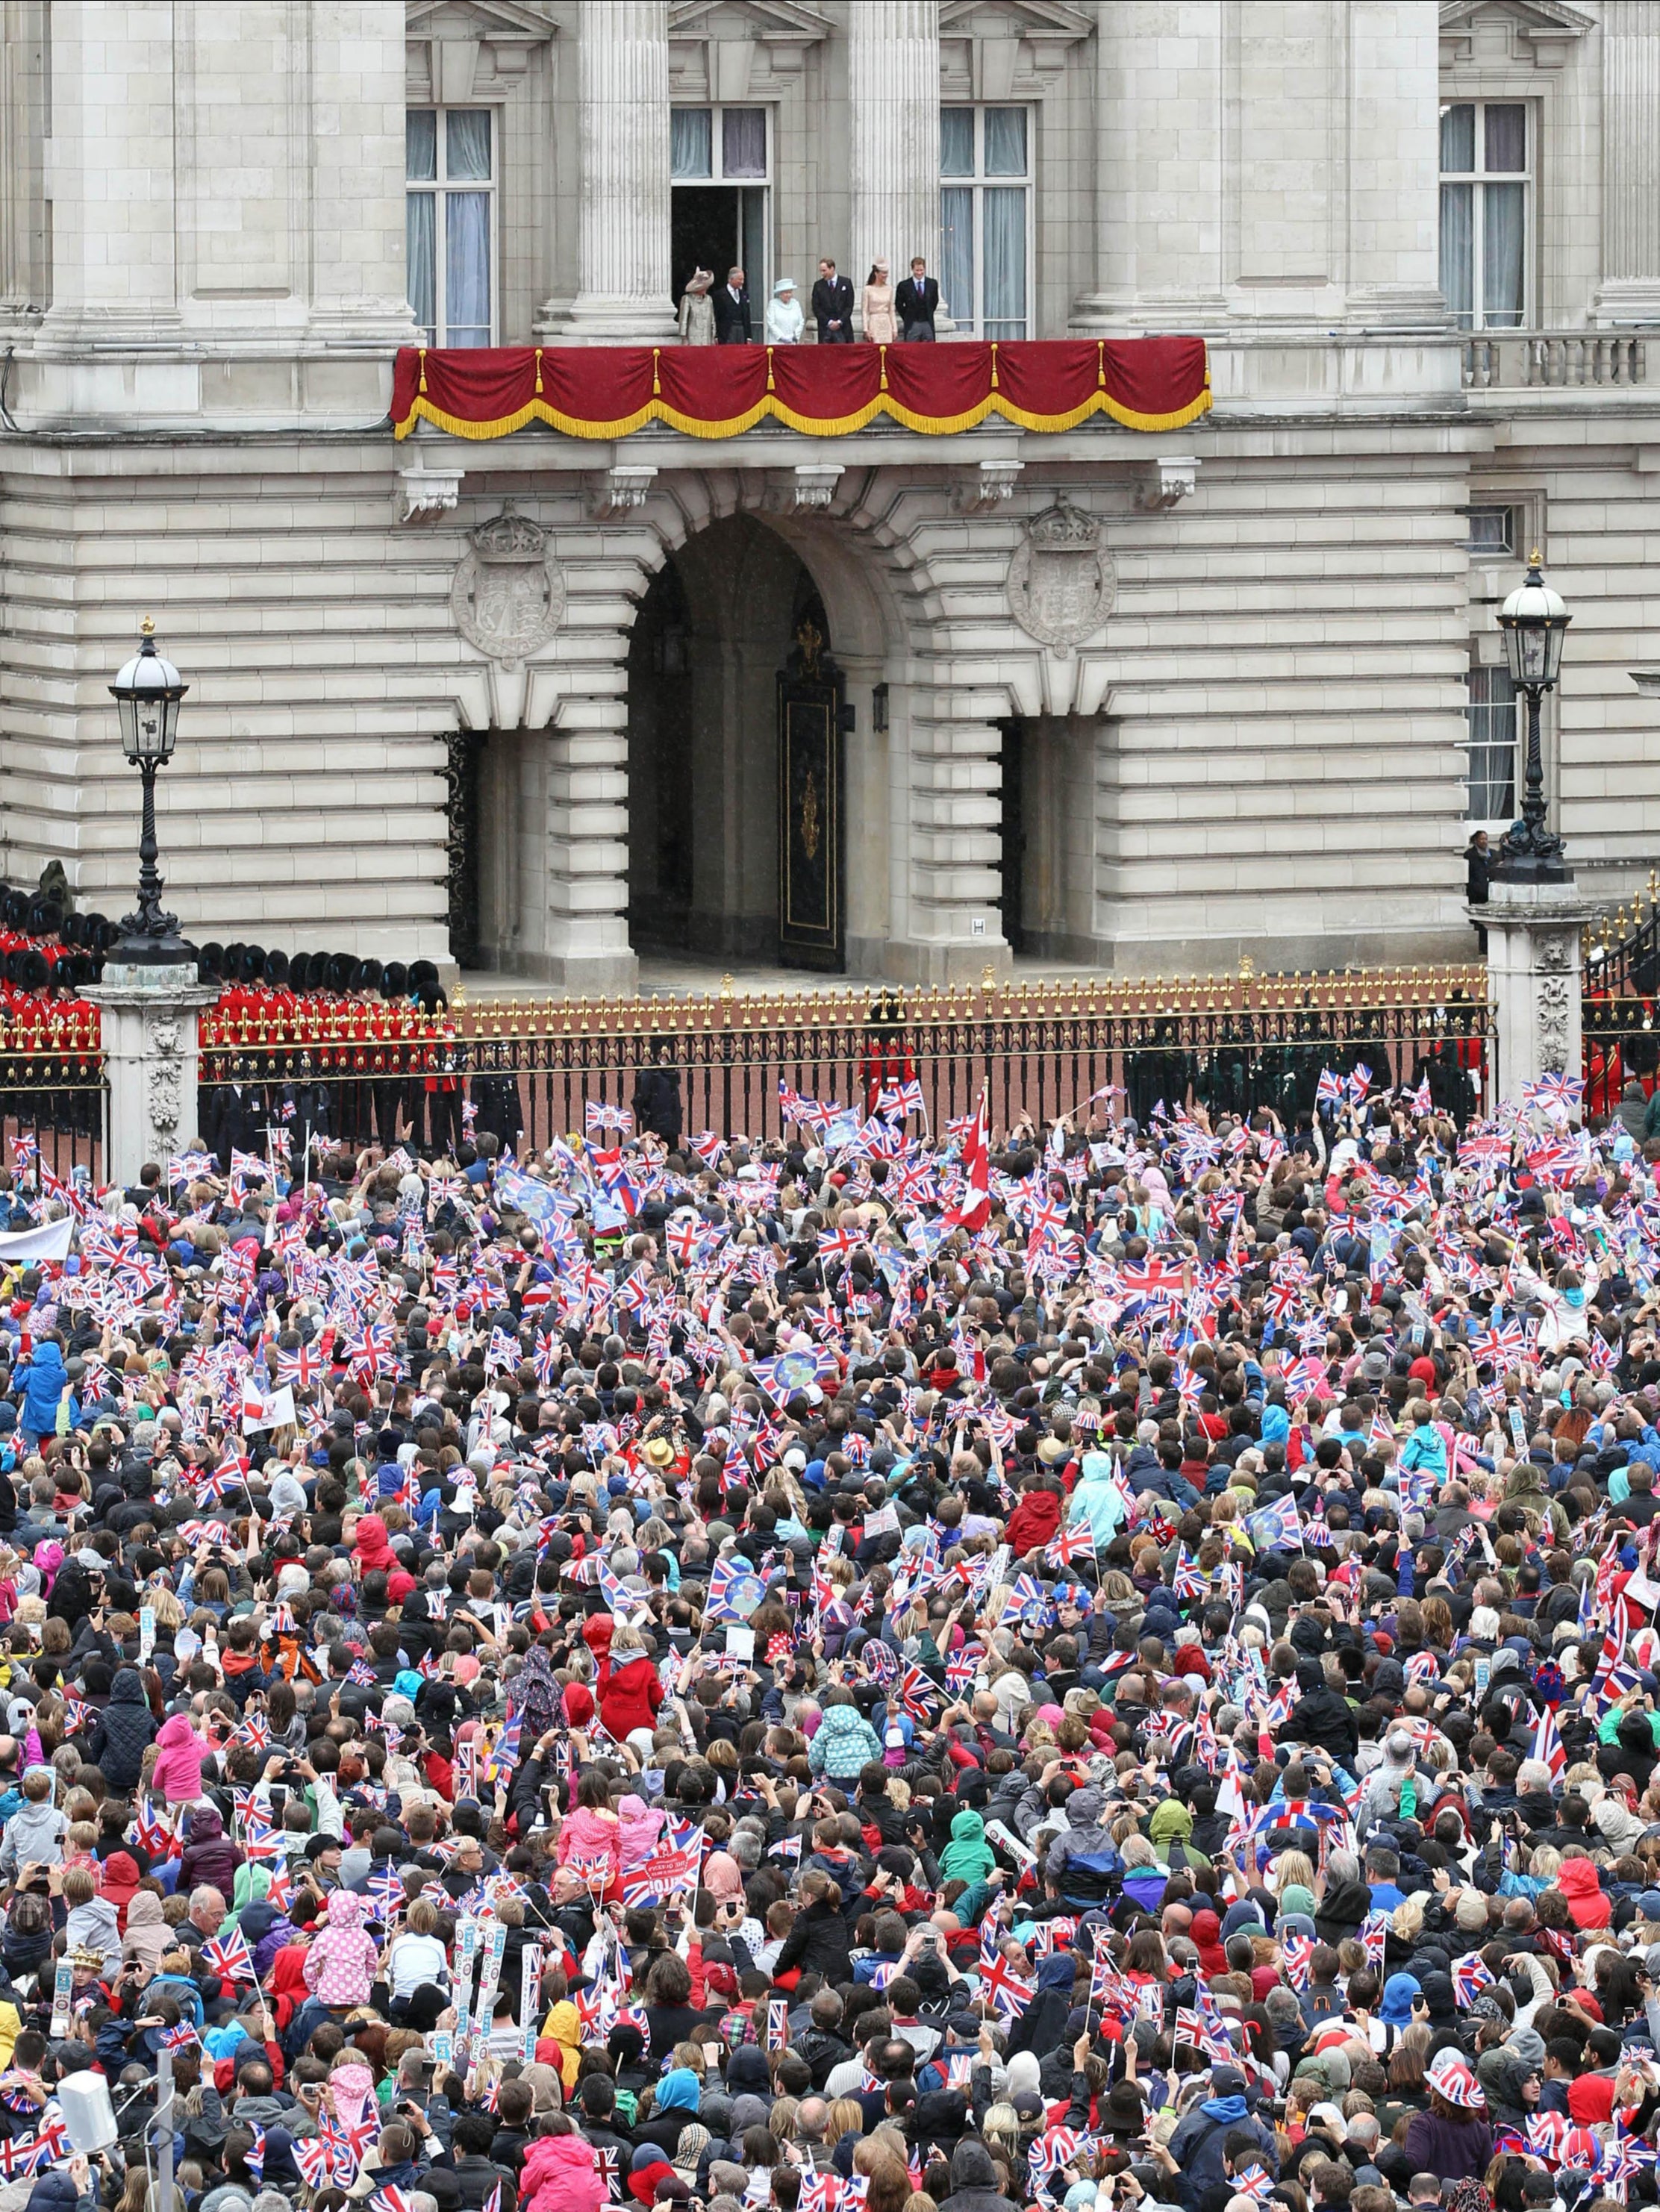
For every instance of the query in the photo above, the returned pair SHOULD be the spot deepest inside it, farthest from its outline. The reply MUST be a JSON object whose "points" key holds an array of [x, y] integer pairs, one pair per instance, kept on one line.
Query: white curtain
{"points": [[1005, 213], [1490, 788], [467, 268], [957, 141], [467, 143], [1503, 224], [1005, 141], [743, 141], [1458, 251], [956, 253], [1506, 138], [691, 142], [420, 213], [421, 145], [1458, 139]]}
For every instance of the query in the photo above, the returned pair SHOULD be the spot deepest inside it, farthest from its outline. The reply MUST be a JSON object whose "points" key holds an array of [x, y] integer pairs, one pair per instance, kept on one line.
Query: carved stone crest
{"points": [[1554, 1017], [165, 1085], [508, 593], [1061, 580]]}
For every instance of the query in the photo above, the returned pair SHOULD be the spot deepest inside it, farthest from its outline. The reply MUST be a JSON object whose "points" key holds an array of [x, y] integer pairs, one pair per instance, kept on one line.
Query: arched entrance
{"points": [[710, 733]]}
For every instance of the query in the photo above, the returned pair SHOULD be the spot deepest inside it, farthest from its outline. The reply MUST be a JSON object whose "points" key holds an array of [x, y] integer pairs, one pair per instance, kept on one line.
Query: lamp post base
{"points": [[1535, 929], [135, 949], [149, 1004]]}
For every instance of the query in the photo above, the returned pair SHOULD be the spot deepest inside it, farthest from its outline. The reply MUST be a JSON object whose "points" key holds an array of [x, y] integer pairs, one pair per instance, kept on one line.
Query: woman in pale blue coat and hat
{"points": [[1098, 1499]]}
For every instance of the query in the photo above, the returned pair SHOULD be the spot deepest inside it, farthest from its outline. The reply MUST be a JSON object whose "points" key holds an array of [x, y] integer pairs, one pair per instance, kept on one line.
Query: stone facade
{"points": [[1257, 747]]}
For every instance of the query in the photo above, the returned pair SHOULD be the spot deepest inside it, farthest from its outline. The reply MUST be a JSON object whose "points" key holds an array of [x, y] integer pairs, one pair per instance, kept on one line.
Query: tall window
{"points": [[985, 220], [721, 167], [450, 224], [1486, 201], [1490, 782]]}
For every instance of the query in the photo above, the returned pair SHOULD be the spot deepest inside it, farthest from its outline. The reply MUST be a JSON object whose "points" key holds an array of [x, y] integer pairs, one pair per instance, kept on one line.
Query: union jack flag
{"points": [[1074, 1541], [228, 1956], [1548, 1746], [1469, 1978], [1007, 1994]]}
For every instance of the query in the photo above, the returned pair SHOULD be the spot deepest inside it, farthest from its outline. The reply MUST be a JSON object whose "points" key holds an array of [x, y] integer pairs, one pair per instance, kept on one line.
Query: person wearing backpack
{"points": [[1203, 2135], [1084, 1866]]}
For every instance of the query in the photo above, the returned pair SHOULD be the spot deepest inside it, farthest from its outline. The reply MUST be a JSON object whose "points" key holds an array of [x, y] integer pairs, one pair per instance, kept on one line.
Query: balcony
{"points": [[1509, 361]]}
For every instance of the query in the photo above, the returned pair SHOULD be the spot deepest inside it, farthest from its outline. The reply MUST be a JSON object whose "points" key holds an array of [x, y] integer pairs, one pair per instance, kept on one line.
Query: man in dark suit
{"points": [[732, 311], [832, 306], [916, 301]]}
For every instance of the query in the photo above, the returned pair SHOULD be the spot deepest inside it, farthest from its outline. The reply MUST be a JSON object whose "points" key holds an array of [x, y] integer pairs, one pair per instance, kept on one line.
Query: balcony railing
{"points": [[1507, 360]]}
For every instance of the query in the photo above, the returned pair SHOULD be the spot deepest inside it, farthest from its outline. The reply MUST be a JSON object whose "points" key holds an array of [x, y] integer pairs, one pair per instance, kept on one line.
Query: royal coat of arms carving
{"points": [[508, 593], [1061, 580]]}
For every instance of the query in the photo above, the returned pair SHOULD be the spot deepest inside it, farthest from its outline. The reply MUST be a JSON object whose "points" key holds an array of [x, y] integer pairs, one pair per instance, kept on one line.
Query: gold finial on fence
{"points": [[989, 979], [728, 987]]}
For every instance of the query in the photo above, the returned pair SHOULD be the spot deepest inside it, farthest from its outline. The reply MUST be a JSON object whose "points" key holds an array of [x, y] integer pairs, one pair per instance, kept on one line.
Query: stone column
{"points": [[1393, 182], [111, 176], [622, 246], [893, 134], [1533, 953], [149, 1013], [1159, 149], [587, 880], [355, 135], [1630, 290]]}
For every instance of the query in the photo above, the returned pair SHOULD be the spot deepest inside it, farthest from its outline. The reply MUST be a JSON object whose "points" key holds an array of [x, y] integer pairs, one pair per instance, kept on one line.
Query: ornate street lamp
{"points": [[1535, 620], [146, 694]]}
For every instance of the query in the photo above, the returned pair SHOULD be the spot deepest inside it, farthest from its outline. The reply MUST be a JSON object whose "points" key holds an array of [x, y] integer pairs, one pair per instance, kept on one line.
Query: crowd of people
{"points": [[1109, 1665]]}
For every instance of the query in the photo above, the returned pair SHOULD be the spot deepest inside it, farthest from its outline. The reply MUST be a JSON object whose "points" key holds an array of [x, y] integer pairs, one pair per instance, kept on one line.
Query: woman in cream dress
{"points": [[881, 327]]}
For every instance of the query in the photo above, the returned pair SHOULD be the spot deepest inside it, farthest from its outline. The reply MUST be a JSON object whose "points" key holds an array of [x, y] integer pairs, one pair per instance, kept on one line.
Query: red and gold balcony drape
{"points": [[718, 392]]}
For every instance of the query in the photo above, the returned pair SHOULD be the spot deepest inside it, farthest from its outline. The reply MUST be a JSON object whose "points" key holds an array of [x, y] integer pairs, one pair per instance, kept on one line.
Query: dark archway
{"points": [[714, 629]]}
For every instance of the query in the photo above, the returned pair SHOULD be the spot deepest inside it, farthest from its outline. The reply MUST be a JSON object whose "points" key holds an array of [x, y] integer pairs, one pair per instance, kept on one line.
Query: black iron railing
{"points": [[546, 1069]]}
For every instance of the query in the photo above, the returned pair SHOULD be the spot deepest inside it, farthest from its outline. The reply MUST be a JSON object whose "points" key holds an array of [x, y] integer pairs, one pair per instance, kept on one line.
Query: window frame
{"points": [[441, 187], [973, 323], [1478, 178], [760, 289], [1517, 704]]}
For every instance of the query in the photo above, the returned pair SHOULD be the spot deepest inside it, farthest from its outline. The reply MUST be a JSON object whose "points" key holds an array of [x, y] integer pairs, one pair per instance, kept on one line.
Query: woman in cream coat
{"points": [[881, 327], [697, 309]]}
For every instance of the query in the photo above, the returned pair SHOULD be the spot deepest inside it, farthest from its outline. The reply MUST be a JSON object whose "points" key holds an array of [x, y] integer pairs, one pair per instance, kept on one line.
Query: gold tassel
{"points": [[1101, 364], [994, 364], [423, 368], [538, 369], [770, 386], [883, 352], [656, 381]]}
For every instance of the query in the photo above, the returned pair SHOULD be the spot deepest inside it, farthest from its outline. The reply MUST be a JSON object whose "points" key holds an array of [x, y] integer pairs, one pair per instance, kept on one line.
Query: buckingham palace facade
{"points": [[1130, 698]]}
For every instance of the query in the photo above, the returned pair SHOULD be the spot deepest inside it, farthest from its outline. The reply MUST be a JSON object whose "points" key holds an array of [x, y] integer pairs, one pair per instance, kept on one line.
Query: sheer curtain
{"points": [[1005, 212], [420, 224], [691, 142], [1504, 228], [743, 142], [1005, 141], [467, 228], [467, 268], [1458, 252], [420, 218], [956, 253], [1491, 783]]}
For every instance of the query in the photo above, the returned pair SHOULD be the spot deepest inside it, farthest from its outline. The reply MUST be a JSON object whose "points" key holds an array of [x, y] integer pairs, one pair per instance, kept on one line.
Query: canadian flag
{"points": [[975, 1211]]}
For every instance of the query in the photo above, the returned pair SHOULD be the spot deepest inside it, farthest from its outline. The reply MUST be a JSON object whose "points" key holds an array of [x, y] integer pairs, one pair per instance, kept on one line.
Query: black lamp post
{"points": [[1535, 620], [146, 694]]}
